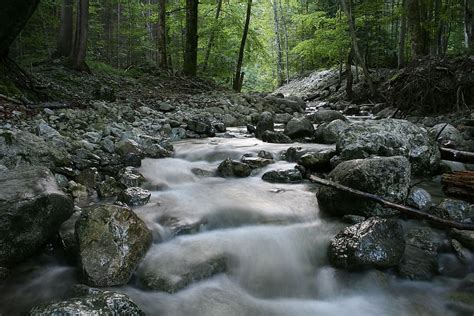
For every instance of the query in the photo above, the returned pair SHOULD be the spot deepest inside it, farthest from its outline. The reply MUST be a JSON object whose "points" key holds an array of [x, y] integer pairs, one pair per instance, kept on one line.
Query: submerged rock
{"points": [[256, 162], [32, 208], [390, 137], [275, 138], [134, 196], [283, 176], [374, 243], [455, 210], [387, 177], [233, 168], [112, 240], [419, 261], [97, 302], [299, 128], [465, 237]]}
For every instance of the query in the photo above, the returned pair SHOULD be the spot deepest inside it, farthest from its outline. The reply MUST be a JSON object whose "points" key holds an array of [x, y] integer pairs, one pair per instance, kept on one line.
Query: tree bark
{"points": [[13, 17], [287, 45], [66, 31], [162, 36], [211, 36], [459, 184], [79, 50], [190, 55], [349, 76], [237, 86], [469, 25], [419, 35], [278, 44], [348, 10], [457, 155], [402, 37]]}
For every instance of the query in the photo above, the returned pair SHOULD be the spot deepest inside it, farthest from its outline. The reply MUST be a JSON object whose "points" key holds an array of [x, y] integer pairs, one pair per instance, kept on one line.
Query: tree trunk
{"points": [[419, 35], [287, 48], [79, 50], [237, 86], [459, 184], [211, 37], [278, 44], [349, 76], [13, 17], [469, 25], [355, 46], [162, 38], [65, 30], [190, 55], [402, 37]]}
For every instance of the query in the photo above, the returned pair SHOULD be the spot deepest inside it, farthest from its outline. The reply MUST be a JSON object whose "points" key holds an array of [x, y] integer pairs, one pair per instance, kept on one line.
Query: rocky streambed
{"points": [[123, 210]]}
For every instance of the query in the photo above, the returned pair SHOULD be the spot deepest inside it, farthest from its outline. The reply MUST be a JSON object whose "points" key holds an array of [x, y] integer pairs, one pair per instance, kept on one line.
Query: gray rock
{"points": [[264, 124], [328, 133], [200, 125], [275, 137], [390, 137], [256, 162], [387, 177], [374, 243], [446, 135], [326, 116], [96, 303], [465, 237], [129, 177], [317, 161], [127, 147], [419, 260], [419, 198], [455, 210], [283, 118], [283, 176], [463, 254], [293, 154], [88, 177], [112, 240], [108, 188], [299, 128], [265, 154], [233, 168], [165, 107], [32, 209], [134, 196], [45, 131]]}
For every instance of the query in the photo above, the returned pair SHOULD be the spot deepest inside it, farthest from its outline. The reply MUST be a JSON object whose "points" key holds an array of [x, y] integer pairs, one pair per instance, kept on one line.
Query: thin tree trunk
{"points": [[402, 37], [278, 43], [287, 48], [211, 36], [349, 76], [238, 75], [355, 46], [190, 56], [469, 25], [66, 30], [162, 38], [419, 36], [79, 50]]}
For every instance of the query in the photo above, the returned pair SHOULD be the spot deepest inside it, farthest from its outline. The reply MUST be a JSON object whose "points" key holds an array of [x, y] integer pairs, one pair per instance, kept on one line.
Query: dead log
{"points": [[406, 210], [459, 184], [457, 155], [9, 99]]}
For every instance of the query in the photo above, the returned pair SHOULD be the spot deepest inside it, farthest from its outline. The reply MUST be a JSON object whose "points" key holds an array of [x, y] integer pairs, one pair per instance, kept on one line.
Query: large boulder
{"points": [[326, 116], [317, 161], [275, 138], [32, 208], [389, 137], [20, 148], [328, 133], [96, 302], [299, 128], [374, 243], [111, 240], [387, 177], [265, 123]]}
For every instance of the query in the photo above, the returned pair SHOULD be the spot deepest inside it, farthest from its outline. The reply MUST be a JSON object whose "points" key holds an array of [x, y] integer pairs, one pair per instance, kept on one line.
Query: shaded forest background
{"points": [[286, 38]]}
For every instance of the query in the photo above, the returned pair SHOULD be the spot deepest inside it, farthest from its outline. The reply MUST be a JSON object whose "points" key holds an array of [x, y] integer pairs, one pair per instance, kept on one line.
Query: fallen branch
{"points": [[12, 100], [456, 155], [459, 184], [408, 211]]}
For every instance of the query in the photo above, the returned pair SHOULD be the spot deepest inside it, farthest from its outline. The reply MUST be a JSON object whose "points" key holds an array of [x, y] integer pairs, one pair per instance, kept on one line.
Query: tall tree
{"points": [[211, 37], [416, 11], [238, 78], [402, 36], [347, 7], [278, 44], [190, 54], [13, 17], [79, 49], [162, 35], [66, 30], [469, 24]]}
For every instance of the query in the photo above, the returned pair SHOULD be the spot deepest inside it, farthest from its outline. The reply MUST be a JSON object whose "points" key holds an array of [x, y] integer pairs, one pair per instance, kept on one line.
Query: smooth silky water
{"points": [[271, 235]]}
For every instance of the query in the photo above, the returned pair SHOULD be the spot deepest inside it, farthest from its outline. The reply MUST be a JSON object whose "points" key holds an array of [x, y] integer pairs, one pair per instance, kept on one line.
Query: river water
{"points": [[272, 236]]}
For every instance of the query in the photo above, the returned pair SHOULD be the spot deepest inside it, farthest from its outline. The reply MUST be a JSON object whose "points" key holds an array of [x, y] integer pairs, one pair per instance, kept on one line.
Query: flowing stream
{"points": [[272, 236]]}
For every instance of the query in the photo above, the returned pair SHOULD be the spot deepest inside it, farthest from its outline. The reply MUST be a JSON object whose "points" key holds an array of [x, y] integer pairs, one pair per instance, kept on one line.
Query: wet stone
{"points": [[283, 176], [134, 196]]}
